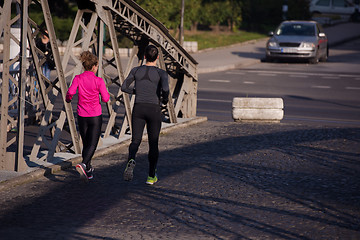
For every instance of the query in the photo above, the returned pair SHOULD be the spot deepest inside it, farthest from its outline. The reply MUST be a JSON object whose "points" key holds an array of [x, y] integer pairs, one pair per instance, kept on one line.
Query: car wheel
{"points": [[269, 59], [326, 56], [315, 59]]}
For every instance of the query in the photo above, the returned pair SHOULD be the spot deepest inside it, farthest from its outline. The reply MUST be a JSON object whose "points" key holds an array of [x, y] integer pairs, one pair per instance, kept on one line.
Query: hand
{"points": [[165, 101]]}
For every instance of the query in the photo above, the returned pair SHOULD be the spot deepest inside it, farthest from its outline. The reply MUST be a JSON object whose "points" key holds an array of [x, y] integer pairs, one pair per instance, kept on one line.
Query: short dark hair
{"points": [[151, 53]]}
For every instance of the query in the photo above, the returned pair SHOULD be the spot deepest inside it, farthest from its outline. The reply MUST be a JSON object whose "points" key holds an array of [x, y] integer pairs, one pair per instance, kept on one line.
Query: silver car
{"points": [[298, 40]]}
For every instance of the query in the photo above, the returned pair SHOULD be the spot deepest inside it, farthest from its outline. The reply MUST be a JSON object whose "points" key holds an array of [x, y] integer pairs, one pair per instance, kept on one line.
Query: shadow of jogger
{"points": [[217, 181]]}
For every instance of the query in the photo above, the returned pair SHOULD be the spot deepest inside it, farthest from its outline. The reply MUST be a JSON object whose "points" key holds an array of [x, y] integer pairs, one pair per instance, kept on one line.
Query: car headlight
{"points": [[272, 44], [307, 45]]}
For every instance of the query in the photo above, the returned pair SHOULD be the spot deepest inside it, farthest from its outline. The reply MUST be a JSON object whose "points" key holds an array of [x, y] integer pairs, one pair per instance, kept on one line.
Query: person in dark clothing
{"points": [[43, 44], [151, 88]]}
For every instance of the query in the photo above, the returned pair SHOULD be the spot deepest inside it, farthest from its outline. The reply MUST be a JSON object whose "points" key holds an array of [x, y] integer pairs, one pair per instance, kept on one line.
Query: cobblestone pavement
{"points": [[216, 181]]}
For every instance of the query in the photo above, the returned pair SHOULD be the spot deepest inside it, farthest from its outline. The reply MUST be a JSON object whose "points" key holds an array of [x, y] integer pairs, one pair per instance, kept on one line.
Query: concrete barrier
{"points": [[190, 46], [258, 109]]}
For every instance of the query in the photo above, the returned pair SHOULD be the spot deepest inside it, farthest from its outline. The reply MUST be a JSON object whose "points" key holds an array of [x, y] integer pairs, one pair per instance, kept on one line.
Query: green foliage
{"points": [[261, 15], [125, 42], [299, 10], [37, 17], [191, 14], [63, 18], [214, 12], [167, 12], [61, 8], [235, 12], [258, 14], [250, 15], [62, 27], [211, 40], [205, 12]]}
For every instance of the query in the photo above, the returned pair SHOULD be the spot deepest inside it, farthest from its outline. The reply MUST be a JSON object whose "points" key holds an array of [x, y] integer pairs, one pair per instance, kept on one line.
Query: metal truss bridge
{"points": [[36, 121]]}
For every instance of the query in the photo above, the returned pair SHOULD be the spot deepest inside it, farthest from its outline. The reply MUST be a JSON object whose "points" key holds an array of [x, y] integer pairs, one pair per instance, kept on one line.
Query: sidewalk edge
{"points": [[253, 41], [229, 67]]}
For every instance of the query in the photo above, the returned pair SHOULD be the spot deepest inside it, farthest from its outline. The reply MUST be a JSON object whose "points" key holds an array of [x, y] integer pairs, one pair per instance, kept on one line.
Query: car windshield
{"points": [[296, 29]]}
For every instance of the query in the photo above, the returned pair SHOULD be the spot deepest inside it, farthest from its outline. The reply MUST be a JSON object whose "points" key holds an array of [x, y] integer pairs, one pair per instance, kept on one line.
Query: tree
{"points": [[260, 15], [63, 12], [61, 8], [166, 11], [205, 12], [299, 10], [220, 12], [235, 18], [192, 12]]}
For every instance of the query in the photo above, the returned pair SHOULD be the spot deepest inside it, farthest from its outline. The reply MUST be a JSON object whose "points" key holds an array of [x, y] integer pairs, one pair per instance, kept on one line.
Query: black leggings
{"points": [[90, 130], [149, 114]]}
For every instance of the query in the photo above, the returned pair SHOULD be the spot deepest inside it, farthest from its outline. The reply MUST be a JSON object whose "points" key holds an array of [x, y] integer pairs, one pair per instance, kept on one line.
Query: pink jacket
{"points": [[89, 86]]}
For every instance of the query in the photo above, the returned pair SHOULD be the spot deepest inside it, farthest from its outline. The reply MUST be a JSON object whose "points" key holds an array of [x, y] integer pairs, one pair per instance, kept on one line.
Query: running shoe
{"points": [[81, 168], [129, 170], [151, 180], [90, 174]]}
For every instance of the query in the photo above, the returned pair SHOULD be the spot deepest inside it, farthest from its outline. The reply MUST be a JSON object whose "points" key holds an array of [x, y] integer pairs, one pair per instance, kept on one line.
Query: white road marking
{"points": [[330, 77], [213, 111], [298, 76], [248, 82], [323, 87], [237, 73], [218, 80], [352, 88], [345, 75], [267, 74], [329, 120], [357, 77]]}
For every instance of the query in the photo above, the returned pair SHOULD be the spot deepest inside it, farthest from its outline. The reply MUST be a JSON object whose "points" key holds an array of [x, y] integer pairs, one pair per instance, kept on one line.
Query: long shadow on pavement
{"points": [[217, 181]]}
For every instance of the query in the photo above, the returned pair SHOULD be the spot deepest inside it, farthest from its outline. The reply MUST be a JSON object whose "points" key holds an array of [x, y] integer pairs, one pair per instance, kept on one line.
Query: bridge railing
{"points": [[38, 103]]}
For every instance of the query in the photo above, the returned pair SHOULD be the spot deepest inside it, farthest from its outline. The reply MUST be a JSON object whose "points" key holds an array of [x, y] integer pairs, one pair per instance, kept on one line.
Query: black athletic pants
{"points": [[90, 130], [149, 114]]}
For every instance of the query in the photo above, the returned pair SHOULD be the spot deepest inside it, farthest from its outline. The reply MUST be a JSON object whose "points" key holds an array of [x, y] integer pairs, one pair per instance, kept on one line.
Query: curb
{"points": [[228, 67], [336, 43], [232, 45], [47, 171]]}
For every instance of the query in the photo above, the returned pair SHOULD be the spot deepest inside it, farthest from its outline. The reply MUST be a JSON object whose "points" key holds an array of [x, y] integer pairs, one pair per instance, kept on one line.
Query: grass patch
{"points": [[208, 39]]}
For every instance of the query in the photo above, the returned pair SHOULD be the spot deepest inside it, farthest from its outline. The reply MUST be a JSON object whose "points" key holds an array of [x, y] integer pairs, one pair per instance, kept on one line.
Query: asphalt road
{"points": [[327, 93], [217, 181]]}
